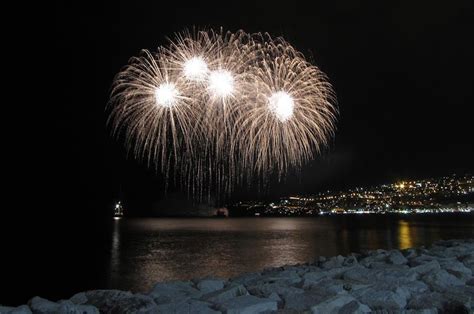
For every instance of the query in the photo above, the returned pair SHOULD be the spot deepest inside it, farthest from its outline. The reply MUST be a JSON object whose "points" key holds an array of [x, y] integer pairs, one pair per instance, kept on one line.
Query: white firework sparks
{"points": [[216, 107]]}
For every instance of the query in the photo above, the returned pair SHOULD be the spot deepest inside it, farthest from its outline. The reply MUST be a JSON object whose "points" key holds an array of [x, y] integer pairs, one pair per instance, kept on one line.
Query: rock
{"points": [[246, 279], [275, 297], [470, 282], [79, 298], [463, 295], [422, 311], [288, 277], [384, 299], [210, 285], [358, 274], [43, 306], [306, 300], [410, 253], [333, 262], [426, 300], [426, 267], [266, 289], [396, 258], [120, 301], [247, 304], [225, 294], [314, 276], [457, 269], [68, 307], [22, 309], [443, 303], [332, 286], [350, 260], [338, 304], [188, 306], [441, 280], [177, 290]]}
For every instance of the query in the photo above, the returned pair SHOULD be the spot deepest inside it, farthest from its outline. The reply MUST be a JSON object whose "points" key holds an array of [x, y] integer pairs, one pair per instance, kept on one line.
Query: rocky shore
{"points": [[438, 279]]}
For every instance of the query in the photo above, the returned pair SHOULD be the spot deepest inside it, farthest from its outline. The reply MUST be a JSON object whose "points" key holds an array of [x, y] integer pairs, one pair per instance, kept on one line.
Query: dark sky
{"points": [[402, 71], [403, 74]]}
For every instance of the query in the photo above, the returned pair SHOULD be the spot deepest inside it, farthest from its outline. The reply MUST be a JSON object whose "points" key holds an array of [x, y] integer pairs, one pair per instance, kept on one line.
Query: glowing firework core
{"points": [[281, 104], [195, 69], [166, 95], [221, 83]]}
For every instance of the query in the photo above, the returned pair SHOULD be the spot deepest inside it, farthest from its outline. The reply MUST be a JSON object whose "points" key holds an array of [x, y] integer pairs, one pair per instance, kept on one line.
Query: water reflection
{"points": [[144, 251], [404, 235], [115, 254]]}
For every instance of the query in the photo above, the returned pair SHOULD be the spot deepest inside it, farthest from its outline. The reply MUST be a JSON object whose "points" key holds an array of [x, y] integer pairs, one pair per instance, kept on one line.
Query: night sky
{"points": [[403, 74]]}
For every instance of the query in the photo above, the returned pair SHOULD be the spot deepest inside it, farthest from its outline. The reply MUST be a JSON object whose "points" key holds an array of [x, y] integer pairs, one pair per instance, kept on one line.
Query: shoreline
{"points": [[427, 280]]}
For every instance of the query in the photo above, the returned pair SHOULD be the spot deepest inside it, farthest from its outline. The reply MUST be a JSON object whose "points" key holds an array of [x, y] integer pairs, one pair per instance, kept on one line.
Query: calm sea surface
{"points": [[144, 251]]}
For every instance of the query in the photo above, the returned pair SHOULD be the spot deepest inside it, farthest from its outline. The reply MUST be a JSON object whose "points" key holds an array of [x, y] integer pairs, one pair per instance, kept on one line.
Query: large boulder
{"points": [[167, 292], [359, 274], [457, 269], [440, 280], [120, 301], [188, 306], [266, 289], [22, 309], [340, 304], [68, 307], [248, 304], [210, 285], [436, 300], [247, 279], [333, 262], [332, 286], [383, 299], [230, 292], [306, 300], [43, 306], [396, 257], [426, 267], [288, 277]]}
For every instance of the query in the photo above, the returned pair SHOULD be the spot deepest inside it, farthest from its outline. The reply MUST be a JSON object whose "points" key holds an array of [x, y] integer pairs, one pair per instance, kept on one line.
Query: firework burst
{"points": [[218, 107]]}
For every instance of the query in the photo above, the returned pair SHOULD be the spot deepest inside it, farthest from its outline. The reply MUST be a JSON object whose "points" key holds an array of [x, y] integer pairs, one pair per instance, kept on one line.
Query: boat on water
{"points": [[118, 210]]}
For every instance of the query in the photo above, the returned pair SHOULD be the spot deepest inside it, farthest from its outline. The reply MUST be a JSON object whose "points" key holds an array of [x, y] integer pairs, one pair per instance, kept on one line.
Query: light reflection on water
{"points": [[145, 251]]}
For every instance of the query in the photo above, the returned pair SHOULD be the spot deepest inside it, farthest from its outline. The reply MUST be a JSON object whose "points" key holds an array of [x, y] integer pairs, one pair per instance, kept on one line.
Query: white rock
{"points": [[230, 292], [120, 301], [396, 258], [457, 269], [67, 307], [422, 311], [22, 309], [384, 299], [306, 300], [335, 304], [333, 262], [248, 304], [427, 267], [167, 292], [246, 279], [441, 280], [289, 277], [43, 306], [332, 286], [189, 306], [210, 285], [359, 274], [79, 298], [265, 289]]}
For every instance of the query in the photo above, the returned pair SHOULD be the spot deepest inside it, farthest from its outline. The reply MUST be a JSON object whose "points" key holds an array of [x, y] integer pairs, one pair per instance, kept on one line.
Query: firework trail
{"points": [[218, 109]]}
